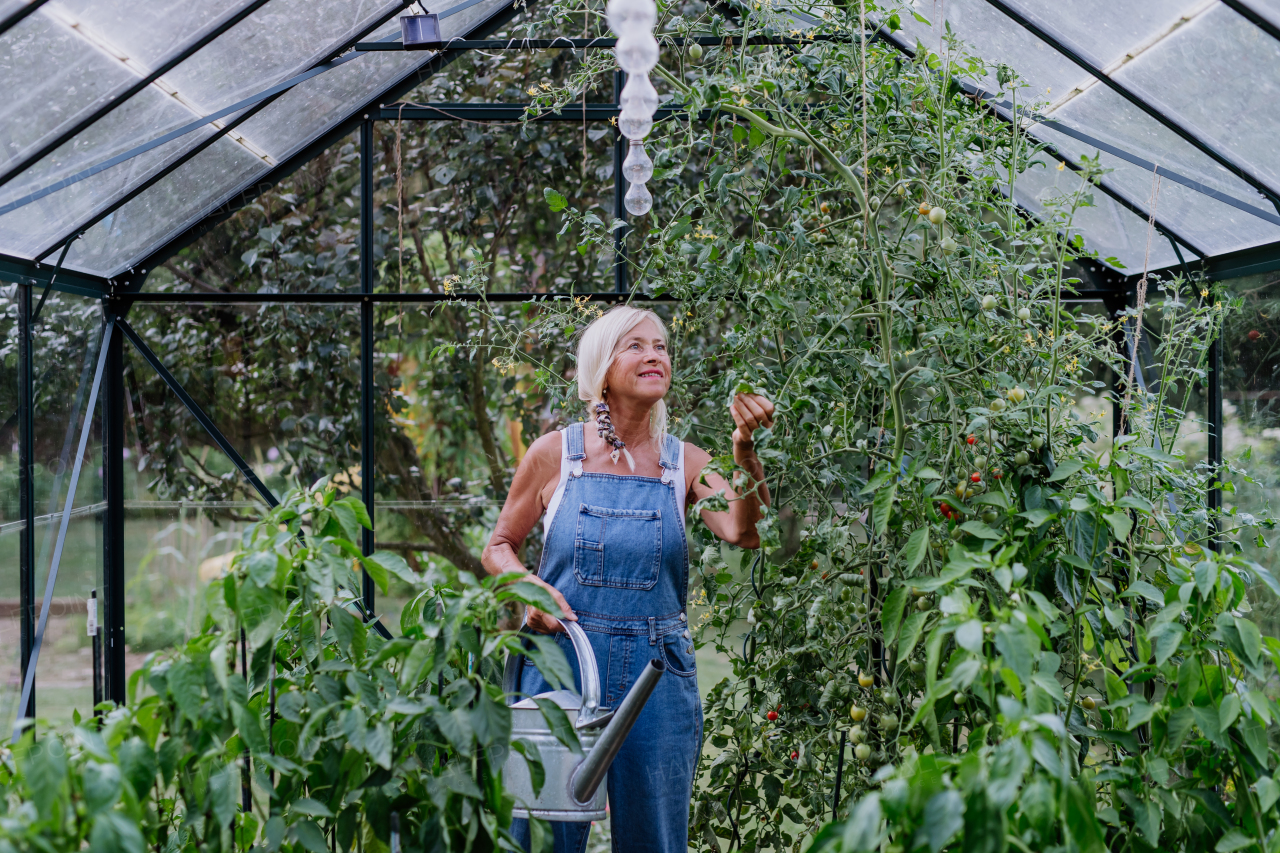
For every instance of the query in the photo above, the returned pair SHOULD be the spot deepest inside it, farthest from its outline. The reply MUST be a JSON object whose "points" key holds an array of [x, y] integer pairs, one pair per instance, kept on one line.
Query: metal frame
{"points": [[120, 293]]}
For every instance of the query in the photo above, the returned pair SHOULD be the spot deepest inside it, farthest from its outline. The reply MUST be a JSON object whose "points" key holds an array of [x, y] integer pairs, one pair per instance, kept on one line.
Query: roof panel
{"points": [[994, 39], [1108, 228], [1219, 76], [29, 230], [145, 31], [1105, 31], [1105, 115], [49, 75], [273, 43], [286, 126], [1214, 227]]}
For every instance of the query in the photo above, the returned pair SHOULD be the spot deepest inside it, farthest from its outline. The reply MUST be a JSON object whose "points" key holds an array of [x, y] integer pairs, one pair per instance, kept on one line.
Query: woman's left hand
{"points": [[750, 412]]}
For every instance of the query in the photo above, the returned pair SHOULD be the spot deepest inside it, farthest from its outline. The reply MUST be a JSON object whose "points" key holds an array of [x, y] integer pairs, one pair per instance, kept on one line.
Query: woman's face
{"points": [[641, 369]]}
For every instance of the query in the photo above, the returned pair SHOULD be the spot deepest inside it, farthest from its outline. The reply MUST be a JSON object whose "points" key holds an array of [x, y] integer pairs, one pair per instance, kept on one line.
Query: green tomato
{"points": [[695, 52], [989, 303], [938, 215], [996, 405], [1037, 443], [1021, 458]]}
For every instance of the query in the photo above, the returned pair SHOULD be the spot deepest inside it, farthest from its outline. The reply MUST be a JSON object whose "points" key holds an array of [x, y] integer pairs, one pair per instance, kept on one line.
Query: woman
{"points": [[616, 561]]}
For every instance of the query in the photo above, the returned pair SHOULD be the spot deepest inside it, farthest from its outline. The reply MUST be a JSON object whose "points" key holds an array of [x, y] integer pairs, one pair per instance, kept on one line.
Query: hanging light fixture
{"points": [[632, 21]]}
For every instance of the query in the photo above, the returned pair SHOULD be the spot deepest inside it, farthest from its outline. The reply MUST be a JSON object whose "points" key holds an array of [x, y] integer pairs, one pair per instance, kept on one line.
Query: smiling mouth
{"points": [[651, 373]]}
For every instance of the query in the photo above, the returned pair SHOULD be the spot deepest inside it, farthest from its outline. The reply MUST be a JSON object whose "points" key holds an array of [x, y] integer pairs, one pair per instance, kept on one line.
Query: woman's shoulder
{"points": [[545, 448], [695, 458]]}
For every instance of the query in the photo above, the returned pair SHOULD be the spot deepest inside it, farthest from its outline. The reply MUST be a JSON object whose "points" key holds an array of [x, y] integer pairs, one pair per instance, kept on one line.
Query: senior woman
{"points": [[615, 558]]}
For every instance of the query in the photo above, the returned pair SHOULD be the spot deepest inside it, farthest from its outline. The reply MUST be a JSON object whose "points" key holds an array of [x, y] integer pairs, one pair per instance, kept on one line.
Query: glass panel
{"points": [[994, 37], [51, 75], [284, 128], [1214, 227], [282, 382], [65, 355], [145, 31], [1103, 114], [1269, 9], [1194, 77], [34, 227], [1251, 432], [10, 520], [1103, 31], [175, 543], [1108, 228]]}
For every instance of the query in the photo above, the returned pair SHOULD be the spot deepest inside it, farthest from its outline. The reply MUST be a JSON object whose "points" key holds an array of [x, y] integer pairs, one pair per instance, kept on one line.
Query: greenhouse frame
{"points": [[132, 129]]}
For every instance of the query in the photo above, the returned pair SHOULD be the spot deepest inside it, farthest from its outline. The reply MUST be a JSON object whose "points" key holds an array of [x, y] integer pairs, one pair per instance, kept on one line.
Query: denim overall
{"points": [[615, 547]]}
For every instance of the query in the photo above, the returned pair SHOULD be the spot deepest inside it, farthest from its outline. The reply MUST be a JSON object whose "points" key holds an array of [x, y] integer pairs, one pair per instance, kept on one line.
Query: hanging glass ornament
{"points": [[639, 95], [638, 200], [631, 16], [637, 53], [637, 168], [635, 125]]}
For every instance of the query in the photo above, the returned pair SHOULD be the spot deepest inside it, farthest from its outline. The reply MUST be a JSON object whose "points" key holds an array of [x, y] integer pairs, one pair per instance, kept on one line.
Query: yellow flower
{"points": [[1008, 350], [533, 90], [613, 120], [1203, 293], [742, 102], [546, 85], [1061, 166]]}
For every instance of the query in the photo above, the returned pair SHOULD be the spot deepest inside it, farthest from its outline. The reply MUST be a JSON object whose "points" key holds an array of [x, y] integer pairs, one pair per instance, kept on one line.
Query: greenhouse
{"points": [[972, 312]]}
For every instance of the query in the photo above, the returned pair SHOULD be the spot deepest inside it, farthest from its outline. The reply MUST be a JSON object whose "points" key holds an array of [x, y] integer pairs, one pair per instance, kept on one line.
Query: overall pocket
{"points": [[680, 655], [620, 548]]}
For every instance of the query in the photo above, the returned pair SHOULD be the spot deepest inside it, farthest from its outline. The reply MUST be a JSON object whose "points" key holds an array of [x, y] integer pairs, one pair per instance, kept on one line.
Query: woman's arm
{"points": [[749, 492], [523, 507]]}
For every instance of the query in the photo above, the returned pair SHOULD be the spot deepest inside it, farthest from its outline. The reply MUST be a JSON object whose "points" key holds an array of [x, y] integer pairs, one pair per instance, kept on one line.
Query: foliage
{"points": [[291, 701], [1027, 623]]}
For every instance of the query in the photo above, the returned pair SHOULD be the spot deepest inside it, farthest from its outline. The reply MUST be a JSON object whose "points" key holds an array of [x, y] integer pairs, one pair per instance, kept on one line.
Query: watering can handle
{"points": [[586, 666]]}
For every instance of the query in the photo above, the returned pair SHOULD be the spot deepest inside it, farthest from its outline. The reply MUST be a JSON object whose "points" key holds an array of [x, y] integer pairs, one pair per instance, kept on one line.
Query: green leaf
{"points": [[308, 806], [877, 480], [1146, 590], [1228, 711], [306, 833], [1166, 637], [1232, 841], [391, 563], [943, 818], [882, 508], [115, 832], [969, 636], [1065, 470], [1120, 524], [521, 589], [44, 766], [555, 201], [1179, 726], [1250, 639], [377, 742], [910, 635], [101, 785], [358, 508], [862, 830], [261, 566], [1268, 792], [891, 616], [558, 720], [980, 530], [533, 760], [347, 518], [1038, 517], [550, 660], [915, 549]]}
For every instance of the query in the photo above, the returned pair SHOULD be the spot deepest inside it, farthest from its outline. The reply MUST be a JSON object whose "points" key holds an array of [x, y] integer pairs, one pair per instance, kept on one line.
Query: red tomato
{"points": [[976, 477], [971, 439], [772, 715]]}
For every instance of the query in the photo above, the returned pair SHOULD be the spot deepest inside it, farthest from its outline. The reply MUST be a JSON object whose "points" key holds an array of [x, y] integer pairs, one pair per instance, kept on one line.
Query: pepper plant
{"points": [[291, 723]]}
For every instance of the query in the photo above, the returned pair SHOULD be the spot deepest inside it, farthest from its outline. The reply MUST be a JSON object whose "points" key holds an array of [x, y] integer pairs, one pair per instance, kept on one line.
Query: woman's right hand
{"points": [[545, 623]]}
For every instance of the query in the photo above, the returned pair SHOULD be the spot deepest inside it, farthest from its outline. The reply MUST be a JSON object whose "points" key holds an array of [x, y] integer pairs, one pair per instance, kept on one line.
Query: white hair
{"points": [[595, 357]]}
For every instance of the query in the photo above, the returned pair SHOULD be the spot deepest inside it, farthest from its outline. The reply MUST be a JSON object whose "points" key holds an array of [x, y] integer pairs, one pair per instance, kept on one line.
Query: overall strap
{"points": [[672, 448], [574, 447]]}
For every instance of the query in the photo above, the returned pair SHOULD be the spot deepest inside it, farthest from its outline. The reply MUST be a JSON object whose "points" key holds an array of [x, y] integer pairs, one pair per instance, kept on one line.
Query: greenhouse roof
{"points": [[135, 124]]}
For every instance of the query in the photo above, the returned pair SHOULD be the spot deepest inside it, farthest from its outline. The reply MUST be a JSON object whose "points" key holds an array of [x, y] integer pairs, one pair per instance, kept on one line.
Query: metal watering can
{"points": [[572, 791]]}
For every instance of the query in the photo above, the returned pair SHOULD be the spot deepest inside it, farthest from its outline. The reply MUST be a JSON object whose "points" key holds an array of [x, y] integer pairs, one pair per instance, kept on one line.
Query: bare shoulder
{"points": [[695, 459], [543, 456]]}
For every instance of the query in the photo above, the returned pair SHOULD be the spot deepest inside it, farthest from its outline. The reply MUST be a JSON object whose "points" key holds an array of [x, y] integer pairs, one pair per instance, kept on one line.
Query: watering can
{"points": [[572, 791]]}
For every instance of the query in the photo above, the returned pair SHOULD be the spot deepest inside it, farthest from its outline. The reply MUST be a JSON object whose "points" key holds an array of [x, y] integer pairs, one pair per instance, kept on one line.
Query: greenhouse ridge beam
{"points": [[516, 112], [162, 298], [584, 44], [123, 96], [1129, 95]]}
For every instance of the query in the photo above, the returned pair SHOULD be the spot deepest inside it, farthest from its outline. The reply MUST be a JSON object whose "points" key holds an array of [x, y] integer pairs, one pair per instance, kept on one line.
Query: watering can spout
{"points": [[591, 772]]}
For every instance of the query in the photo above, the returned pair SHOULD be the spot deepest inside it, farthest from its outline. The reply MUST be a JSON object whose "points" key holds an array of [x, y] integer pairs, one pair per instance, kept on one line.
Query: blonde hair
{"points": [[595, 357]]}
